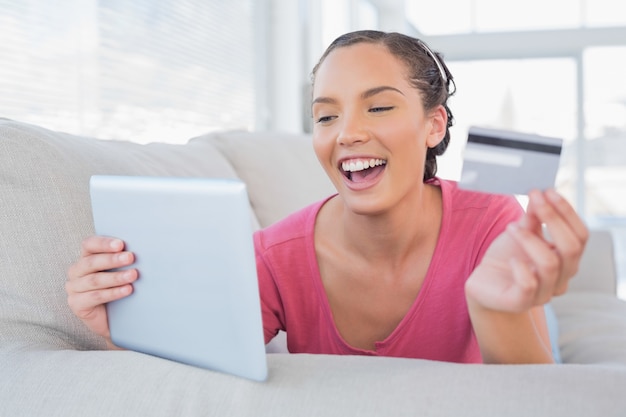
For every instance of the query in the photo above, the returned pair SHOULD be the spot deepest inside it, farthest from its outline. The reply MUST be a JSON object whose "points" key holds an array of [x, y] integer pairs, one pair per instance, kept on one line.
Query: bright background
{"points": [[168, 70]]}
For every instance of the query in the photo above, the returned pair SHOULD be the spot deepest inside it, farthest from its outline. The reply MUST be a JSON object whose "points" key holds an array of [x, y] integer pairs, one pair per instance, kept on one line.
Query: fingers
{"points": [[551, 262], [523, 267], [567, 212], [90, 291], [96, 278], [558, 215], [100, 253], [100, 275], [101, 244], [495, 292], [531, 222], [567, 231], [102, 280], [542, 272], [85, 304]]}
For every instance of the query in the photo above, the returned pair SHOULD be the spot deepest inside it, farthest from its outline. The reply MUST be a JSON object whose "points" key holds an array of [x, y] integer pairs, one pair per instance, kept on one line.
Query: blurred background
{"points": [[168, 70]]}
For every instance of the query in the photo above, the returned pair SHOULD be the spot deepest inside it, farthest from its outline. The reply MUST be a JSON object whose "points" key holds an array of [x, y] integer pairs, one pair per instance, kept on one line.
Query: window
{"points": [[528, 95], [341, 16], [605, 145], [462, 16], [604, 13], [161, 70]]}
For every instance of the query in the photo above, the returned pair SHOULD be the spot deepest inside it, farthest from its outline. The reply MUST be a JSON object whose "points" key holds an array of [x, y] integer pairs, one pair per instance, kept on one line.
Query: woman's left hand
{"points": [[525, 267]]}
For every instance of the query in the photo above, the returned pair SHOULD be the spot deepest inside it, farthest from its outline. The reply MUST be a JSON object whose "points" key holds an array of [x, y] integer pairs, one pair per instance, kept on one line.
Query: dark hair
{"points": [[427, 72]]}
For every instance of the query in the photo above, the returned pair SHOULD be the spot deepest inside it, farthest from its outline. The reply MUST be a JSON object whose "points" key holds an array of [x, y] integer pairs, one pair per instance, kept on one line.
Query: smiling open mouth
{"points": [[359, 170]]}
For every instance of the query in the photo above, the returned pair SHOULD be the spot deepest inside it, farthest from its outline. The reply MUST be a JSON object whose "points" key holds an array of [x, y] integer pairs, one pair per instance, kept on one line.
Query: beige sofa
{"points": [[50, 364]]}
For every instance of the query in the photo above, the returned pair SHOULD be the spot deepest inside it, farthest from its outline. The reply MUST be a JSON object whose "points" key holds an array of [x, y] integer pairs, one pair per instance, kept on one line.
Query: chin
{"points": [[364, 204]]}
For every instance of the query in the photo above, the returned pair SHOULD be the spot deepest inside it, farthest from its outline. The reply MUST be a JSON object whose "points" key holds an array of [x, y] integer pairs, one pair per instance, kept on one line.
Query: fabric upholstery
{"points": [[592, 328], [132, 384], [280, 181], [45, 214], [598, 269], [51, 365]]}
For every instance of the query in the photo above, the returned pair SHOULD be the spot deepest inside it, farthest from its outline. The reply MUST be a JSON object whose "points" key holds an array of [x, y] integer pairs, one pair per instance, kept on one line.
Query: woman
{"points": [[399, 262]]}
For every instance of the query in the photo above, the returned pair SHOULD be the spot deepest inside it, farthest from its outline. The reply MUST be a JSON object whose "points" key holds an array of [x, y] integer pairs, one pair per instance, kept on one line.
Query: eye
{"points": [[325, 119], [380, 109]]}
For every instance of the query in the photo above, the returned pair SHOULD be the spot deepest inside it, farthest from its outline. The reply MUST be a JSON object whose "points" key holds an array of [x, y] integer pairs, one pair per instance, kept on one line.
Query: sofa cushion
{"points": [[45, 213], [598, 268], [281, 170], [68, 383], [592, 327]]}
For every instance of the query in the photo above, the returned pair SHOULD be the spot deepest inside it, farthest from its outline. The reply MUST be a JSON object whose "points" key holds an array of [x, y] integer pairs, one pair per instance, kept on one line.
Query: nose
{"points": [[353, 130]]}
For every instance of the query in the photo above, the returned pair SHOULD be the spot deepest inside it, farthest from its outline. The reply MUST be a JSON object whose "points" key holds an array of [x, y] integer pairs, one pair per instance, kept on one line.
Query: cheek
{"points": [[322, 148], [408, 145], [400, 124], [404, 134]]}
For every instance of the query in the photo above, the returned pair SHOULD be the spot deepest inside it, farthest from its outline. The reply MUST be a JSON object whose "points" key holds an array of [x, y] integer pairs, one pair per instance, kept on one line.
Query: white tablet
{"points": [[197, 299]]}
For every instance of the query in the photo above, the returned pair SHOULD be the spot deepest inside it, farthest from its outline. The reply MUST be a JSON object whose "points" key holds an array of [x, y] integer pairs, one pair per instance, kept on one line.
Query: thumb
{"points": [[530, 222]]}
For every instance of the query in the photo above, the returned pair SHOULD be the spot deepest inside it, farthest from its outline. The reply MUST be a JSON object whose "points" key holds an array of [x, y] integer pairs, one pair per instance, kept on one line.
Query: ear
{"points": [[437, 123]]}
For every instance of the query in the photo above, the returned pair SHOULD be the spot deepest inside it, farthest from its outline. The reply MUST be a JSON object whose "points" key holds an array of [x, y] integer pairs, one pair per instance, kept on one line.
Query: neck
{"points": [[392, 236]]}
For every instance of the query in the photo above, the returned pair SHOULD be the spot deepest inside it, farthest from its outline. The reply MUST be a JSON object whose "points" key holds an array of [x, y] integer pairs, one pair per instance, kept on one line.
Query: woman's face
{"points": [[370, 128]]}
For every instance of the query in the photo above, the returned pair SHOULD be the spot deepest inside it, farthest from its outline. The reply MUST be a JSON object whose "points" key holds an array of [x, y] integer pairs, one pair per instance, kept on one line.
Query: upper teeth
{"points": [[353, 166]]}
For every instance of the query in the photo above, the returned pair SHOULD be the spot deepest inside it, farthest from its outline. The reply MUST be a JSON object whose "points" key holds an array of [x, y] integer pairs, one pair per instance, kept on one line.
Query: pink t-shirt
{"points": [[437, 325]]}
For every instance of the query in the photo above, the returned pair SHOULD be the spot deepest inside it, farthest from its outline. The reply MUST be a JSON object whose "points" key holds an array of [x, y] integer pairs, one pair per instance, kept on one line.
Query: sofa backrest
{"points": [[45, 210], [280, 169], [598, 267]]}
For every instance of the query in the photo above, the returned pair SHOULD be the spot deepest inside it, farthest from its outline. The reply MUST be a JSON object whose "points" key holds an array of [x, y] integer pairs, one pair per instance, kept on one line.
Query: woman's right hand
{"points": [[91, 284]]}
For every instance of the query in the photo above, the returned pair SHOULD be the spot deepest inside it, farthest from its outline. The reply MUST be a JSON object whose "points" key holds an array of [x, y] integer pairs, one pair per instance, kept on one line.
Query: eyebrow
{"points": [[366, 94]]}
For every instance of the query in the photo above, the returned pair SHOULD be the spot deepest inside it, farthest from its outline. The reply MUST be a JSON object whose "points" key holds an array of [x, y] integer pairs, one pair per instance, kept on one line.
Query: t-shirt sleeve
{"points": [[271, 304], [502, 211]]}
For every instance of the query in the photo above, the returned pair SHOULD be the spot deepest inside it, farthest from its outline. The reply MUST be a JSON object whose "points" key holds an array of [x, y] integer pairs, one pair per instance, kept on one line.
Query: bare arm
{"points": [[511, 337]]}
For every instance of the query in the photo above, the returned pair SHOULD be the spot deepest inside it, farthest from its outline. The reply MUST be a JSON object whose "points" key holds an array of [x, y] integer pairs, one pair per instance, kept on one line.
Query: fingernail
{"points": [[116, 244], [123, 257], [553, 195], [125, 290], [539, 198]]}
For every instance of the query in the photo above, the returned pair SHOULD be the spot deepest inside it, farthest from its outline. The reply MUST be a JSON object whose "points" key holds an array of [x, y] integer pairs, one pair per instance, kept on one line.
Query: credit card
{"points": [[509, 162]]}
